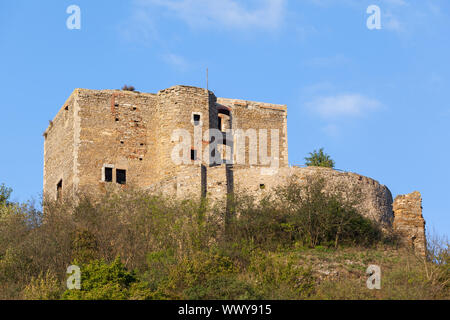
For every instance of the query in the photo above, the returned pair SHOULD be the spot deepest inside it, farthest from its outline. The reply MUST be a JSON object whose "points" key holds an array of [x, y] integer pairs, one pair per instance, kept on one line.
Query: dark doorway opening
{"points": [[108, 174], [121, 176]]}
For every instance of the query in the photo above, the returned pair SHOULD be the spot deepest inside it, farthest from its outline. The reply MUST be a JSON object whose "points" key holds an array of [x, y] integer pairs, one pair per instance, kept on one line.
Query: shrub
{"points": [[319, 159], [318, 217], [103, 281], [196, 271], [5, 193], [222, 287], [44, 287], [260, 224], [281, 277], [128, 88]]}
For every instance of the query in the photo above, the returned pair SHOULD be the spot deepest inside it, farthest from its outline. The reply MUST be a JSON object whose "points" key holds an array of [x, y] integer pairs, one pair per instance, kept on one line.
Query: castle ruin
{"points": [[125, 138]]}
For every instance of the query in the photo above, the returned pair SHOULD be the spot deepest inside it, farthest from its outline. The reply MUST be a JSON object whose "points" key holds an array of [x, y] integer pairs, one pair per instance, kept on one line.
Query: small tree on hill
{"points": [[319, 159], [5, 193]]}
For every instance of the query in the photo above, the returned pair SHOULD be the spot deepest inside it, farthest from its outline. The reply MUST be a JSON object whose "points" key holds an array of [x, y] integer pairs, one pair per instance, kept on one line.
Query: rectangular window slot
{"points": [[196, 118], [59, 190], [193, 154], [121, 176]]}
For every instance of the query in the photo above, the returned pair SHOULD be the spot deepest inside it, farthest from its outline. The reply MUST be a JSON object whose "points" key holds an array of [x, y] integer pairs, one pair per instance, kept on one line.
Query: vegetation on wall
{"points": [[128, 88], [318, 158]]}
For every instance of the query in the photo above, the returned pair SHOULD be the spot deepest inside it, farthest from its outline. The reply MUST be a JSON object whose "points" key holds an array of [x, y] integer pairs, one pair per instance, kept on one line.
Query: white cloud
{"points": [[343, 105], [139, 28], [231, 14]]}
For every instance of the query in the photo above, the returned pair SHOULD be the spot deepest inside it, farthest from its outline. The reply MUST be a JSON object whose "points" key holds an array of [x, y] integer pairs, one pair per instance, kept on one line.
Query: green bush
{"points": [[200, 267], [222, 287], [103, 281], [281, 276], [315, 217], [303, 213]]}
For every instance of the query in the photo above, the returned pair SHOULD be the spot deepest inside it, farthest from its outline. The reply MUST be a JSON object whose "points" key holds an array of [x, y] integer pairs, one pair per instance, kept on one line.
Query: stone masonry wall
{"points": [[409, 222], [257, 115], [132, 131], [376, 203], [175, 110], [115, 133], [59, 149]]}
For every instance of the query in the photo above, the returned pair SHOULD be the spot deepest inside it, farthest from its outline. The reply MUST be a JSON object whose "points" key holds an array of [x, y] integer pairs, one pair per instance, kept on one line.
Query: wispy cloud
{"points": [[343, 105], [176, 61], [139, 28], [336, 109], [231, 14]]}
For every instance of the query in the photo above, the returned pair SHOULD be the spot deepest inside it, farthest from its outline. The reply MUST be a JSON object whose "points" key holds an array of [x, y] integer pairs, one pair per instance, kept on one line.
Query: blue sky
{"points": [[376, 100]]}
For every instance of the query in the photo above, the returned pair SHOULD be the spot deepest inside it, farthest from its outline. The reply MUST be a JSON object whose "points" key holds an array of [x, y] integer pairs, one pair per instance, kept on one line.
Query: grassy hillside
{"points": [[298, 243]]}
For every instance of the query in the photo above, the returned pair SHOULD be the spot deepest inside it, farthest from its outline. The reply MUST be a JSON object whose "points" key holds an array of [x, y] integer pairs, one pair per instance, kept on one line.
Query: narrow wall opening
{"points": [[59, 190]]}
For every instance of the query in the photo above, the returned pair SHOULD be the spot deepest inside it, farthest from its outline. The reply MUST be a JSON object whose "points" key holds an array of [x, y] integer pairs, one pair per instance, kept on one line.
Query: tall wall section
{"points": [[116, 131], [409, 222], [175, 109], [59, 149], [257, 115]]}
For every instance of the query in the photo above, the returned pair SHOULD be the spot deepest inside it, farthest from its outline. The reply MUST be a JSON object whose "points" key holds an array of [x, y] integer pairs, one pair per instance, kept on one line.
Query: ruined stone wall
{"points": [[257, 115], [59, 150], [375, 204], [116, 131], [409, 222], [375, 201]]}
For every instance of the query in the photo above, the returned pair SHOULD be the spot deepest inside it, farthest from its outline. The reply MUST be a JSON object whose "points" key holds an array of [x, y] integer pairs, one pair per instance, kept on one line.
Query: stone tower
{"points": [[124, 138]]}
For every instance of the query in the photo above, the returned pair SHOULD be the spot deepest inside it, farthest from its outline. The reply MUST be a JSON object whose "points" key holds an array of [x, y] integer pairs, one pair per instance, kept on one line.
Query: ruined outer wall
{"points": [[59, 149], [257, 115], [409, 222], [116, 129], [376, 201]]}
